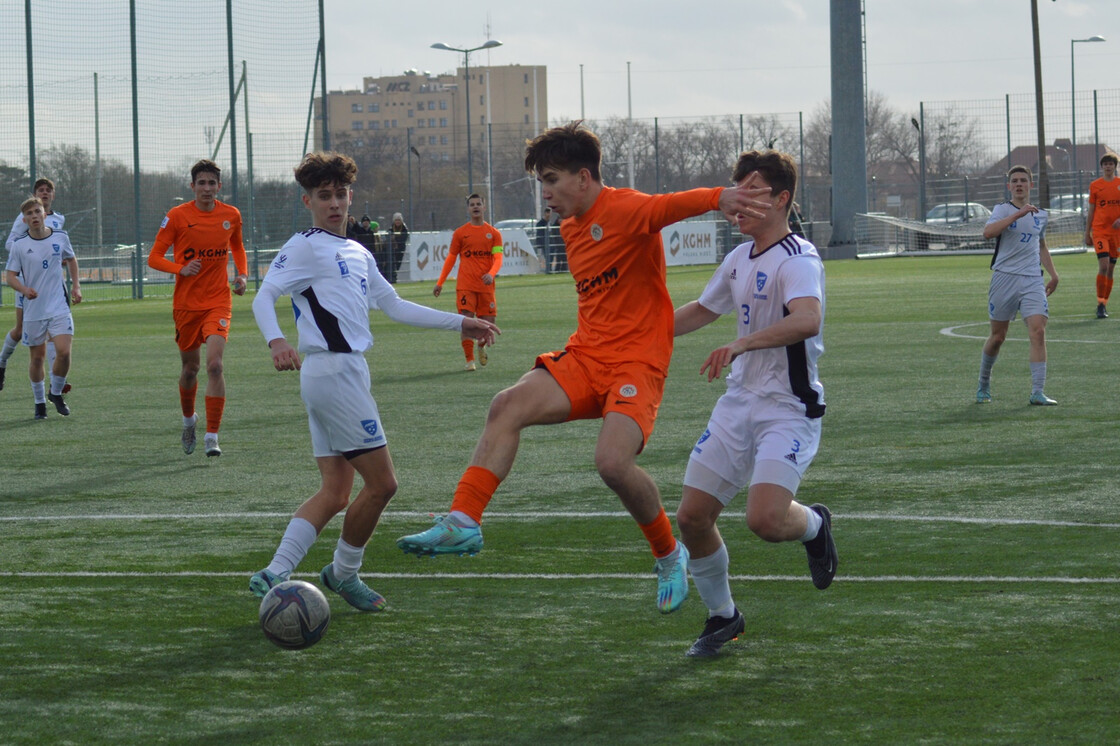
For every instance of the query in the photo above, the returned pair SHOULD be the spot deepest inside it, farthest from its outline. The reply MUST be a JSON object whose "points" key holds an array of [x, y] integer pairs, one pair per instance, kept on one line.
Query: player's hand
{"points": [[719, 359], [1052, 285], [240, 283], [1088, 239], [1116, 224], [437, 290], [748, 198], [488, 279], [191, 268], [284, 356], [480, 329], [1025, 210], [29, 292], [76, 294]]}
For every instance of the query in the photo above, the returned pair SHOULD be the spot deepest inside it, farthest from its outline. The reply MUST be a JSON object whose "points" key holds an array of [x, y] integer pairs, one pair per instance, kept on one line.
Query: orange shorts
{"points": [[480, 303], [193, 327], [1107, 243], [632, 389]]}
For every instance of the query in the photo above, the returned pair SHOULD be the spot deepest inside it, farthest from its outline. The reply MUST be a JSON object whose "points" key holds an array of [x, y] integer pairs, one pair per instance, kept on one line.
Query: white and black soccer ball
{"points": [[294, 614]]}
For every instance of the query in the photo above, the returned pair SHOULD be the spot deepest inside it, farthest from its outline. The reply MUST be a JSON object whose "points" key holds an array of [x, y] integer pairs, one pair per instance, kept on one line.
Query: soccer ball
{"points": [[294, 614]]}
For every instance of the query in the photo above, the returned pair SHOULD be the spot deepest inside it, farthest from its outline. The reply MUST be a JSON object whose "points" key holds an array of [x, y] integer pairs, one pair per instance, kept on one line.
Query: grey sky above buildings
{"points": [[732, 56]]}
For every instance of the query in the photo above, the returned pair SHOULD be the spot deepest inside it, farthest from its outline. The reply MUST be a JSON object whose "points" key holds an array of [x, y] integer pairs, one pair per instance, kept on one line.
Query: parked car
{"points": [[958, 212], [1070, 203], [526, 224]]}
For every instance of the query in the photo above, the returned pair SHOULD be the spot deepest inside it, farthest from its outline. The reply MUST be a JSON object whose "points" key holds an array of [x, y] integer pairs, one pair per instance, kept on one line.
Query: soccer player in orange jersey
{"points": [[478, 247], [1102, 228], [202, 233], [614, 365]]}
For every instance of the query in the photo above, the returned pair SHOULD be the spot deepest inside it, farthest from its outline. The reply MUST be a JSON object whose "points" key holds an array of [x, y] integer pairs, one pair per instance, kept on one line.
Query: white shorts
{"points": [[751, 440], [341, 411], [1008, 293], [39, 331]]}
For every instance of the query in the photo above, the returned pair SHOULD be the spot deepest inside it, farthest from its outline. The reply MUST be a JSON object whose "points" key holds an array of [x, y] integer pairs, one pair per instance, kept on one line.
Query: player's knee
{"points": [[214, 368], [613, 468], [692, 522], [765, 525]]}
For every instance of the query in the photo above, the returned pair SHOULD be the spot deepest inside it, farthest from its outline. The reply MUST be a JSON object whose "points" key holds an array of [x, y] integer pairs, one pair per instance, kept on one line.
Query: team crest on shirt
{"points": [[343, 267], [225, 225], [163, 223], [57, 248], [370, 426], [628, 390], [706, 434], [760, 281], [223, 323], [596, 232]]}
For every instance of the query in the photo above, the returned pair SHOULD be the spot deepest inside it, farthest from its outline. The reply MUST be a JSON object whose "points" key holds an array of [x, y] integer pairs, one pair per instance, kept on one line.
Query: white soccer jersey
{"points": [[1018, 247], [757, 289], [334, 282], [54, 221], [39, 261]]}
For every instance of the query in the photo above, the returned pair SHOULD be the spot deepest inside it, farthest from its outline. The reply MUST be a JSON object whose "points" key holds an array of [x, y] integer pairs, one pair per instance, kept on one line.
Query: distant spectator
{"points": [[548, 237], [366, 226], [795, 226], [398, 242], [351, 227]]}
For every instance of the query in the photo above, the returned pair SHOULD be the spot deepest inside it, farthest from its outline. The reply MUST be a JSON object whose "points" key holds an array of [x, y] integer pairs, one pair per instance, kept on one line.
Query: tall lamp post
{"points": [[922, 168], [490, 44], [1073, 107]]}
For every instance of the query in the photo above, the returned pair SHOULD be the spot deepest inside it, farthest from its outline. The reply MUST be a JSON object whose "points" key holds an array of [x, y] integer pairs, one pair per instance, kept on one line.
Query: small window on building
{"points": [[355, 108], [355, 125]]}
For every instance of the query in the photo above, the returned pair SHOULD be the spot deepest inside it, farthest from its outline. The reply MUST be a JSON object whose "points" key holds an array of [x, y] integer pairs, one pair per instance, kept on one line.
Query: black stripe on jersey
{"points": [[791, 245], [797, 360], [992, 264], [327, 323]]}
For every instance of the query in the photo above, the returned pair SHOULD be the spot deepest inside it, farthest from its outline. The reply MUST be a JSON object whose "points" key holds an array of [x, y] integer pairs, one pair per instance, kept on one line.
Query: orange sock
{"points": [[1102, 289], [186, 399], [659, 534], [468, 349], [215, 405], [1107, 289], [476, 487]]}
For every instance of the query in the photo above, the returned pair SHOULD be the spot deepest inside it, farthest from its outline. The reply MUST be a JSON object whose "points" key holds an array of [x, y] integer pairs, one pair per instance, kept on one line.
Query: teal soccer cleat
{"points": [[261, 582], [983, 394], [1042, 400], [353, 591], [445, 537], [672, 580]]}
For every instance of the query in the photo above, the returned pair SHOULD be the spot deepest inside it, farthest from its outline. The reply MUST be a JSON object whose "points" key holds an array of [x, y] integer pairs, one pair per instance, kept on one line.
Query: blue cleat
{"points": [[1042, 400], [445, 537], [672, 580], [261, 582], [983, 393], [353, 591]]}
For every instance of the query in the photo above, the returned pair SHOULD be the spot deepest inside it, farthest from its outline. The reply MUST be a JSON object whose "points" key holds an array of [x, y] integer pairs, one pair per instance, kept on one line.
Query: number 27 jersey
{"points": [[757, 289]]}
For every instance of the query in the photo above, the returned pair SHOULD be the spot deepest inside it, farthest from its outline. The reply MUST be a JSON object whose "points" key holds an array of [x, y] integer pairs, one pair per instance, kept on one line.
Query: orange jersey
{"points": [[616, 257], [209, 237], [479, 250], [1104, 196]]}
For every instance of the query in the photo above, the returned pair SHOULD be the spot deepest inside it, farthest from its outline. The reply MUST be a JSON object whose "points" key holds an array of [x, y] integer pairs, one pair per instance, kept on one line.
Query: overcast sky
{"points": [[731, 56]]}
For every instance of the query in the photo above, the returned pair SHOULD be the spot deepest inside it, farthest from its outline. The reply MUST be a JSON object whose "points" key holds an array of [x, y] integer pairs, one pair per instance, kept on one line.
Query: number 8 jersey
{"points": [[757, 289]]}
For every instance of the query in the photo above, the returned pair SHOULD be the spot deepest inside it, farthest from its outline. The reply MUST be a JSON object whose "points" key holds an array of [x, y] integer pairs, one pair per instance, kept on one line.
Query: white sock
{"points": [[57, 384], [813, 523], [51, 354], [462, 519], [297, 541], [39, 391], [347, 559], [189, 421], [1038, 377], [7, 350], [709, 575]]}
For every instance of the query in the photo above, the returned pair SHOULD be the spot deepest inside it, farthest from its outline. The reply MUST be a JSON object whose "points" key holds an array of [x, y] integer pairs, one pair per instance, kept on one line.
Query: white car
{"points": [[958, 212]]}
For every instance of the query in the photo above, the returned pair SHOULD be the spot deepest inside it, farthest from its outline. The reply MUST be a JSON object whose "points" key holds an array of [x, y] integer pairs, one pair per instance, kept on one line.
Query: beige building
{"points": [[430, 111]]}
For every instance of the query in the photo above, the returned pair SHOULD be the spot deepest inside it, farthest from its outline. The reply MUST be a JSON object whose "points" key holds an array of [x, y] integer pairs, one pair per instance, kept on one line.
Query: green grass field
{"points": [[977, 599]]}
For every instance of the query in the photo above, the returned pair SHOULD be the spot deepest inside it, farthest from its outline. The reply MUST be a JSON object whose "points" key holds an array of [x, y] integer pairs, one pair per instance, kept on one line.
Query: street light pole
{"points": [[490, 44], [1073, 108], [921, 168]]}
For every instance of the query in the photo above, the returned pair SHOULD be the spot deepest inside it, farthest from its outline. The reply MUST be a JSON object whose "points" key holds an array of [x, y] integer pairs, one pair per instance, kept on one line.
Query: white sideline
{"points": [[542, 515], [580, 576]]}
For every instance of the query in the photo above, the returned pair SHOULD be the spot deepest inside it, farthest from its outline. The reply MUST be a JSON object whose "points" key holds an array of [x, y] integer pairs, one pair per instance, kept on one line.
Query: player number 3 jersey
{"points": [[757, 290]]}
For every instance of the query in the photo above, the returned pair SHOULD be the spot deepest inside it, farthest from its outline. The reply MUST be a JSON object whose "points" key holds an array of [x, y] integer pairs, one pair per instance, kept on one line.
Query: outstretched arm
{"points": [[690, 317]]}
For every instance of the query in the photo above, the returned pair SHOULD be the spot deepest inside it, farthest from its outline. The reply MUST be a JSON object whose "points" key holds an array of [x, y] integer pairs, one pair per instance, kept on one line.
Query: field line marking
{"points": [[579, 576], [951, 331], [542, 515]]}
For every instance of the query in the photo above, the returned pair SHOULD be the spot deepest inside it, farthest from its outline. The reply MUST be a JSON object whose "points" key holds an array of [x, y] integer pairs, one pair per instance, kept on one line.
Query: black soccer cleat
{"points": [[717, 631], [823, 558], [59, 404], [40, 410], [2, 372], [1102, 311]]}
